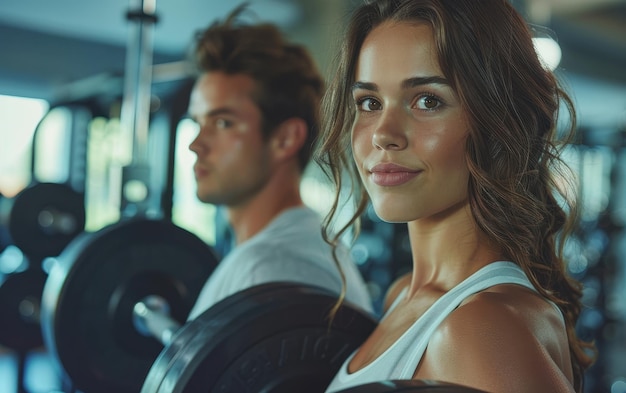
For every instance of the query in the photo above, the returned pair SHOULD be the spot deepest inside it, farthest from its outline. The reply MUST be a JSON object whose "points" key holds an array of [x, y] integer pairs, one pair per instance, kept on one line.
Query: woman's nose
{"points": [[388, 135]]}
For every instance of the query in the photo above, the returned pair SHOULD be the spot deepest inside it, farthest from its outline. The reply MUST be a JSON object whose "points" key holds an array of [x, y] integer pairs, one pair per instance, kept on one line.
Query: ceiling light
{"points": [[549, 52]]}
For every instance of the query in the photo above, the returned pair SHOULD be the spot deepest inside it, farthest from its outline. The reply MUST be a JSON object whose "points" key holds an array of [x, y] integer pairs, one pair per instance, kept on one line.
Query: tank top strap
{"points": [[495, 273]]}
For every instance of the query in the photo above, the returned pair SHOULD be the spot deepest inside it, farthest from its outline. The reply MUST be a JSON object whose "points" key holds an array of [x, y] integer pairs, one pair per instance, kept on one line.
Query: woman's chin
{"points": [[391, 215]]}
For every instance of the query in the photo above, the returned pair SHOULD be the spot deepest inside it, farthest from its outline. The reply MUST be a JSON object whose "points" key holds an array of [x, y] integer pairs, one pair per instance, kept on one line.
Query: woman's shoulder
{"points": [[512, 312], [512, 304], [509, 329]]}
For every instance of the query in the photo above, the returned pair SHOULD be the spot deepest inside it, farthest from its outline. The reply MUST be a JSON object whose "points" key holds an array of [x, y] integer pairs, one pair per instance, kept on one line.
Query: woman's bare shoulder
{"points": [[504, 339]]}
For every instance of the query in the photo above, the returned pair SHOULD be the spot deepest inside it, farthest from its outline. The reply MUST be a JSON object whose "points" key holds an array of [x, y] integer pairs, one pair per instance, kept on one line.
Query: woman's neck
{"points": [[447, 250]]}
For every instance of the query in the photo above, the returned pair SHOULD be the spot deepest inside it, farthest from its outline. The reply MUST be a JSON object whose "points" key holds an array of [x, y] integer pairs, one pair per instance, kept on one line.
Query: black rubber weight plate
{"points": [[20, 298], [25, 226], [92, 289], [277, 340]]}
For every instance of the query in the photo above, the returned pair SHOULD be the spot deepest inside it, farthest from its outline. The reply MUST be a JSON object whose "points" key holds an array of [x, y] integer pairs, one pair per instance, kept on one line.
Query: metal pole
{"points": [[135, 111]]}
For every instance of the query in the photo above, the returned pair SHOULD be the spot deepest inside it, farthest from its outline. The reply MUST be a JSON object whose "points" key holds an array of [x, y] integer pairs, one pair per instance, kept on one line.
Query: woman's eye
{"points": [[428, 102], [368, 105]]}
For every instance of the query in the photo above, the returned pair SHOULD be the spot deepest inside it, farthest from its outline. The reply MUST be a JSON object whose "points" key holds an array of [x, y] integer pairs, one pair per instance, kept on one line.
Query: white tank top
{"points": [[400, 360]]}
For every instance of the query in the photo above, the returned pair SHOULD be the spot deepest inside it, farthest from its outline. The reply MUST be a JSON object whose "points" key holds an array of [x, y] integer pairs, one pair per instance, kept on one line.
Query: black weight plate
{"points": [[410, 386], [27, 225], [271, 338], [20, 300], [92, 289]]}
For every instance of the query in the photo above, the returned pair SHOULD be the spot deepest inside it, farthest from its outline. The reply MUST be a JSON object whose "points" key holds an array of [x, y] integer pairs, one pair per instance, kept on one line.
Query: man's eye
{"points": [[368, 105], [223, 123]]}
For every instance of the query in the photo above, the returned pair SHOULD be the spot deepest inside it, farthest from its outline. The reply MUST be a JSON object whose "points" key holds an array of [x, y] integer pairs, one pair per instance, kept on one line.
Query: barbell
{"points": [[114, 309], [112, 292], [93, 286]]}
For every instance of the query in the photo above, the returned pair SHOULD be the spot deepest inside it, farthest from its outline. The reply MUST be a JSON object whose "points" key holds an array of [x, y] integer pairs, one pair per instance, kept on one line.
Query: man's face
{"points": [[233, 158]]}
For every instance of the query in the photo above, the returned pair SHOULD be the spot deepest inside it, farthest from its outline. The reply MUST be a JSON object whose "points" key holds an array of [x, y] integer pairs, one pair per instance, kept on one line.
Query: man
{"points": [[256, 101]]}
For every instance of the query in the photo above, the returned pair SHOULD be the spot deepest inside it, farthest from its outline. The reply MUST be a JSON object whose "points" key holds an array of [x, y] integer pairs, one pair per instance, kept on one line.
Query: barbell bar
{"points": [[151, 318]]}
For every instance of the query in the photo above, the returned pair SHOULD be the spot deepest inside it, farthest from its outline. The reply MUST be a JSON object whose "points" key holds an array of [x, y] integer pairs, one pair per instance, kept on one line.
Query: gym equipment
{"points": [[47, 214], [88, 300], [135, 111], [20, 297], [93, 287], [277, 336], [270, 338], [40, 221], [43, 218], [20, 294], [409, 386]]}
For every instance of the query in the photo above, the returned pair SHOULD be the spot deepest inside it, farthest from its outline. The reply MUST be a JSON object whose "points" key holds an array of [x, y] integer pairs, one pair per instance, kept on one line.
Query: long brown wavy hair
{"points": [[518, 189]]}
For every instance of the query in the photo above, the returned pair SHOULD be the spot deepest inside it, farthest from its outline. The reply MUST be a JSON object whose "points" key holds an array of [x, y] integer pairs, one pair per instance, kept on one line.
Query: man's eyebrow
{"points": [[211, 113], [406, 84]]}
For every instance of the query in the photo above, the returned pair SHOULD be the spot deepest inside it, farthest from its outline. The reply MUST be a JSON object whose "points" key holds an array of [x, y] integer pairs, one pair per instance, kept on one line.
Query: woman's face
{"points": [[409, 131]]}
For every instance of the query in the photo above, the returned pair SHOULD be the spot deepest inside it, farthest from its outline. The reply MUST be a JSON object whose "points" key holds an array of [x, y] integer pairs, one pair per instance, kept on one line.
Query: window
{"points": [[18, 119]]}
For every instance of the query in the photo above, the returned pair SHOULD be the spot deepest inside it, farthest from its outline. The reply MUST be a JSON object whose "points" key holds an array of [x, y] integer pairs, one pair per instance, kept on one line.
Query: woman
{"points": [[450, 119]]}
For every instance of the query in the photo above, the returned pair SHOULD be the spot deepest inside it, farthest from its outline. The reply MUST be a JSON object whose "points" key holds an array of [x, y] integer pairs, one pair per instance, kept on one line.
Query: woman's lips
{"points": [[388, 175]]}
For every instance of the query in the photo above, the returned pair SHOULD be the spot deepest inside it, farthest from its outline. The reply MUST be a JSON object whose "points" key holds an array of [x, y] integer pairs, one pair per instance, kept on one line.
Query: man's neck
{"points": [[250, 218]]}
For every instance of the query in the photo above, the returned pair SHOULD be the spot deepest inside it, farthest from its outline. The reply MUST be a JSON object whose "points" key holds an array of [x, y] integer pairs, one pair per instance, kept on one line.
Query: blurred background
{"points": [[62, 66]]}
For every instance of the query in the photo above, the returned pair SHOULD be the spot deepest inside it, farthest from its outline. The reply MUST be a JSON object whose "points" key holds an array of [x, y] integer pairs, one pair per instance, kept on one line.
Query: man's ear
{"points": [[289, 137]]}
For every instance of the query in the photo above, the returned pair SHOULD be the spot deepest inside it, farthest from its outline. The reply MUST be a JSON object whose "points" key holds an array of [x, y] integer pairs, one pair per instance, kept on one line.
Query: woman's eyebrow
{"points": [[406, 84], [364, 86], [424, 80]]}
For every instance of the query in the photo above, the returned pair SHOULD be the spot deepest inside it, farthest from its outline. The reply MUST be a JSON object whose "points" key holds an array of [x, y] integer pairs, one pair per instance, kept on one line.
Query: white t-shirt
{"points": [[401, 359], [289, 249]]}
